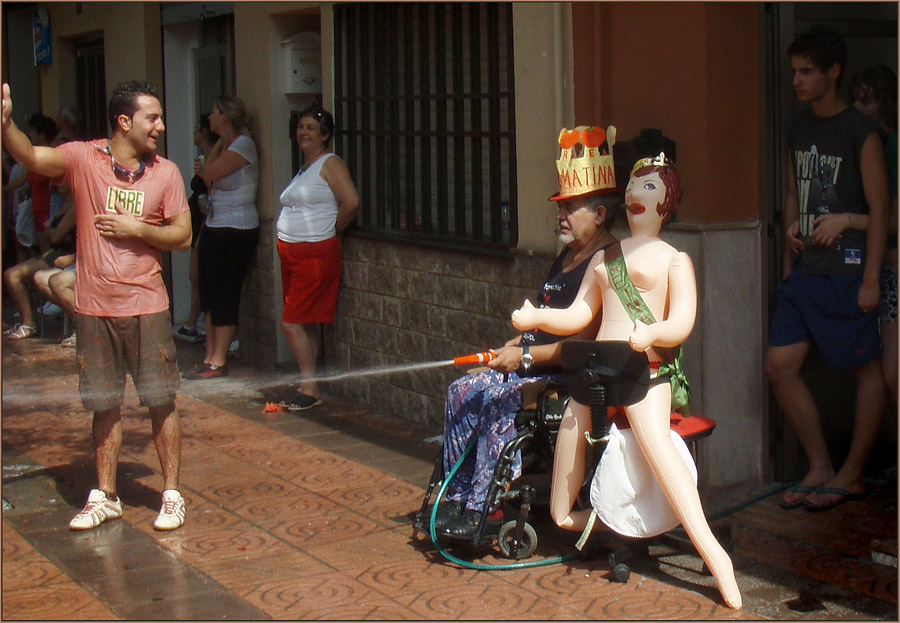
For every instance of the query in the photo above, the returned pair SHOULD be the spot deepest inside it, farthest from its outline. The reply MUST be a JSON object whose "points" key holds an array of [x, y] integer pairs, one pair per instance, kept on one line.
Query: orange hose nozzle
{"points": [[469, 360]]}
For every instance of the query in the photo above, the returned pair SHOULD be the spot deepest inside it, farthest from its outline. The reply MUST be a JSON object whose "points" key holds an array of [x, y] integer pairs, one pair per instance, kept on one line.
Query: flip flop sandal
{"points": [[23, 332], [12, 329], [301, 402], [843, 496], [799, 501]]}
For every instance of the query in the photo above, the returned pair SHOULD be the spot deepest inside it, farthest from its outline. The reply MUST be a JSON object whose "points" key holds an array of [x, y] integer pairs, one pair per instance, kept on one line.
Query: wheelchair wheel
{"points": [[621, 572], [506, 538]]}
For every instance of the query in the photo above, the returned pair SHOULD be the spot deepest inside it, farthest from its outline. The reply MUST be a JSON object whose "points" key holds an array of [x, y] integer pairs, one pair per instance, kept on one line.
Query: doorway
{"points": [[870, 30], [90, 83], [198, 48]]}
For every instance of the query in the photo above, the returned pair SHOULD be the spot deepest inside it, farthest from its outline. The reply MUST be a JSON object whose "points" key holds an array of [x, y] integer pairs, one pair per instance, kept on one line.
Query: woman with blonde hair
{"points": [[231, 231]]}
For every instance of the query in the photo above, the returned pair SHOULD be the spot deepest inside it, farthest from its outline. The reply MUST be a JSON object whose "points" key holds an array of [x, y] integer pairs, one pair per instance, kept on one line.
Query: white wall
{"points": [[179, 41]]}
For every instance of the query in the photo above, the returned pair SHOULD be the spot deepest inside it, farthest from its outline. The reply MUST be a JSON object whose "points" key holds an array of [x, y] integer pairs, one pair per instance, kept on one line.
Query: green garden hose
{"points": [[472, 565]]}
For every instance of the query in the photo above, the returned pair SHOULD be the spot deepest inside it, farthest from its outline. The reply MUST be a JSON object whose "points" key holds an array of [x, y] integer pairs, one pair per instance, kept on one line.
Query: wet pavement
{"points": [[307, 516]]}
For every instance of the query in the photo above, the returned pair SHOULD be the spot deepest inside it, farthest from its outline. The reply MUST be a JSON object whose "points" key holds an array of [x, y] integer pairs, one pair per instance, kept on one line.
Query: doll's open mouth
{"points": [[635, 208]]}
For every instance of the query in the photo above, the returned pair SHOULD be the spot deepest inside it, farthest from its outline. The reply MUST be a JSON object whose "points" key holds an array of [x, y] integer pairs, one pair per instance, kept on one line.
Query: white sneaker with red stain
{"points": [[98, 509], [171, 515]]}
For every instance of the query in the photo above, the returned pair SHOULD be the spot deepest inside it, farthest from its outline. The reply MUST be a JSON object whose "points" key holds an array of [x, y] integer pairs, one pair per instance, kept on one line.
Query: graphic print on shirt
{"points": [[125, 201], [816, 176]]}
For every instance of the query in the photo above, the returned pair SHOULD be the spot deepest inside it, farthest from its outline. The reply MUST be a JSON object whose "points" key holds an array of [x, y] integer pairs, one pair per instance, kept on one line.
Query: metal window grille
{"points": [[424, 104], [90, 81]]}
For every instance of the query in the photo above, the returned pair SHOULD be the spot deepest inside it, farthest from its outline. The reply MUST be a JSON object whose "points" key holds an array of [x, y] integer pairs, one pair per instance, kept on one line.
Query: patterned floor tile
{"points": [[403, 579], [15, 546], [382, 609], [238, 488], [344, 525], [646, 603], [483, 597], [30, 572], [244, 574], [296, 598], [227, 543], [299, 504], [328, 471], [57, 602], [387, 500]]}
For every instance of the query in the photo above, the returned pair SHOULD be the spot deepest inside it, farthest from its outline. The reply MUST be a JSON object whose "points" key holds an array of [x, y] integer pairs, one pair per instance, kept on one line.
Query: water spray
{"points": [[466, 360], [217, 386]]}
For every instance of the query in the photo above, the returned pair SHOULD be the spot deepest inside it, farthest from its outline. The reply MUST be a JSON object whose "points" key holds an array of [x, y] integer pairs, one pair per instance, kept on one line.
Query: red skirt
{"points": [[310, 277]]}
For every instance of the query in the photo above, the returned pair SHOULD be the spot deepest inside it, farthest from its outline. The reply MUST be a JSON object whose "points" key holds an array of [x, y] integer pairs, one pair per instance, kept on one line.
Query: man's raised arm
{"points": [[44, 160]]}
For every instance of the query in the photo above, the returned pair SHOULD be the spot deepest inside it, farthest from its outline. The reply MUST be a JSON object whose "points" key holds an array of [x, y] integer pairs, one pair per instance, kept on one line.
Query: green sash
{"points": [[672, 364]]}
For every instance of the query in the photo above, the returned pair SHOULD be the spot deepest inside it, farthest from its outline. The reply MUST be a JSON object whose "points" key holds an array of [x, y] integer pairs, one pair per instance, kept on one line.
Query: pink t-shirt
{"points": [[119, 277]]}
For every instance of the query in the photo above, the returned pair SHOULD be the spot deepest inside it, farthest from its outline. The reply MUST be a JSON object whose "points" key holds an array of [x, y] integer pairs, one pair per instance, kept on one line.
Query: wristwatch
{"points": [[527, 358]]}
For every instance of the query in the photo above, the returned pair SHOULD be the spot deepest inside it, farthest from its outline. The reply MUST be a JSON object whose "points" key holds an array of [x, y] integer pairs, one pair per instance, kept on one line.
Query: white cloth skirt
{"points": [[625, 492]]}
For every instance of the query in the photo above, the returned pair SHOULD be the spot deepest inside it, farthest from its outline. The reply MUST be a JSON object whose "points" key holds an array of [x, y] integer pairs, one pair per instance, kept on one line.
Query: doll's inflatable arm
{"points": [[564, 321]]}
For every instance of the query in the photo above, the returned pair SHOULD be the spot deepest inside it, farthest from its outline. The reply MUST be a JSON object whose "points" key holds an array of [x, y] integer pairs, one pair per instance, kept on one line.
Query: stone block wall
{"points": [[404, 304], [260, 318]]}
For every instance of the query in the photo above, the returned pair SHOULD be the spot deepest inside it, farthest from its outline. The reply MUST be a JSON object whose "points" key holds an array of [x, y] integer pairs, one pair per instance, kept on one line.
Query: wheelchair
{"points": [[599, 375], [536, 426]]}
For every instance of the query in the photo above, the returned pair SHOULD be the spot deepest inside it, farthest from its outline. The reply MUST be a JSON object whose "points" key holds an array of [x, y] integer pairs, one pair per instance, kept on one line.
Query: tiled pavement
{"points": [[305, 516]]}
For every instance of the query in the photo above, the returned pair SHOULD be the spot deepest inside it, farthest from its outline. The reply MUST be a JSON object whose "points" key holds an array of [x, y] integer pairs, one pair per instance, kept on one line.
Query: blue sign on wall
{"points": [[40, 27]]}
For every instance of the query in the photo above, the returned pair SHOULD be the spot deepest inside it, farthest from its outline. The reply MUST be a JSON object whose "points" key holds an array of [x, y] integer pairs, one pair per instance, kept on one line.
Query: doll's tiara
{"points": [[659, 161]]}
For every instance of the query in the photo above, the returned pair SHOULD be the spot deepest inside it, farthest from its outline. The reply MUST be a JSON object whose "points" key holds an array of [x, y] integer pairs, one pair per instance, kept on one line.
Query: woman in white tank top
{"points": [[320, 202], [231, 232]]}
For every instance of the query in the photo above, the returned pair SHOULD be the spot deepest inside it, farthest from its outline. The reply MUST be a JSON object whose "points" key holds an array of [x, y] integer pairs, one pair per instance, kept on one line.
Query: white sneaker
{"points": [[171, 515], [98, 509]]}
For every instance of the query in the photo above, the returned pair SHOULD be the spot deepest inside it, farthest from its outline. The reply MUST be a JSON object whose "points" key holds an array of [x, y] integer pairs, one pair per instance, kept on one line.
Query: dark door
{"points": [[870, 29]]}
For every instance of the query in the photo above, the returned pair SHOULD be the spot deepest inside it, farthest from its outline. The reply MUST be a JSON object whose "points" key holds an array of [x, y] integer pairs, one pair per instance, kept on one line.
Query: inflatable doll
{"points": [[664, 278]]}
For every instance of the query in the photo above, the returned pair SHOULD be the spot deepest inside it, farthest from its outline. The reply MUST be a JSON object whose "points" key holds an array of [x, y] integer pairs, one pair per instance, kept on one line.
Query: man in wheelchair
{"points": [[484, 404]]}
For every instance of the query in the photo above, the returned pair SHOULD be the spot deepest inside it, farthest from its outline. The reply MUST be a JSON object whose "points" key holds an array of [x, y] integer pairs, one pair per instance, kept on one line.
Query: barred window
{"points": [[426, 122]]}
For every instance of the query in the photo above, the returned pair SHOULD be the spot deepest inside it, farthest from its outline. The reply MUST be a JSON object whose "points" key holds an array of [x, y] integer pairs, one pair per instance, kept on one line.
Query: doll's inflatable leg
{"points": [[650, 423], [568, 467]]}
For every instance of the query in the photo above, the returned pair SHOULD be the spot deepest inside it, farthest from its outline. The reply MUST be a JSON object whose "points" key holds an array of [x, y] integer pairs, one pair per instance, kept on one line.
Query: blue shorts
{"points": [[823, 309]]}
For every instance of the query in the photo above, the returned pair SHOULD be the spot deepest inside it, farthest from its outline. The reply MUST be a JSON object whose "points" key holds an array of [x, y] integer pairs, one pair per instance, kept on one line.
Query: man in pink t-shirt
{"points": [[129, 206]]}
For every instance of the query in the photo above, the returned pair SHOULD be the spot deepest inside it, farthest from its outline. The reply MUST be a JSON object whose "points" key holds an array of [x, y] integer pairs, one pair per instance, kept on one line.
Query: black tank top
{"points": [[558, 292]]}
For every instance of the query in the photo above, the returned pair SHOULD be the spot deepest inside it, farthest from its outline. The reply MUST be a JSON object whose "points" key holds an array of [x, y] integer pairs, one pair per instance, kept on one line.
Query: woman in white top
{"points": [[320, 202], [231, 231]]}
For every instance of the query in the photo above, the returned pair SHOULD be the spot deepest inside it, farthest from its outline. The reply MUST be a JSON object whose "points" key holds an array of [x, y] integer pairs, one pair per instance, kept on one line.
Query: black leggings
{"points": [[223, 255]]}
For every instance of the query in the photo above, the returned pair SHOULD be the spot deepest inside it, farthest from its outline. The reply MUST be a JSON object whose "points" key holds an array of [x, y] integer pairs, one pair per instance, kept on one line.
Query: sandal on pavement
{"points": [[13, 328], [206, 371], [197, 367], [301, 402], [22, 332], [803, 490], [843, 496]]}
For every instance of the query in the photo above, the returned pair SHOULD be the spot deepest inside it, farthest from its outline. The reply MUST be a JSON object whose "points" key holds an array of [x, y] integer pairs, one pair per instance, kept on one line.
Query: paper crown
{"points": [[586, 163]]}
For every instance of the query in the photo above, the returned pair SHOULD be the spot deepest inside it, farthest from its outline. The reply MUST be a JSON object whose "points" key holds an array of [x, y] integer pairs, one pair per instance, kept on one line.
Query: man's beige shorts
{"points": [[142, 343]]}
